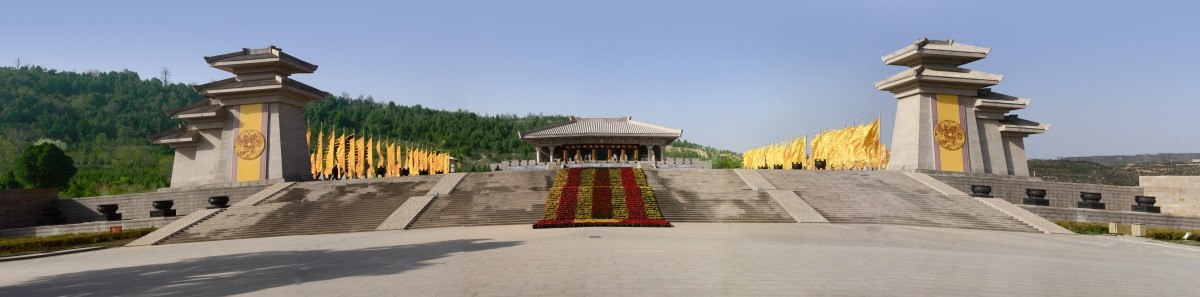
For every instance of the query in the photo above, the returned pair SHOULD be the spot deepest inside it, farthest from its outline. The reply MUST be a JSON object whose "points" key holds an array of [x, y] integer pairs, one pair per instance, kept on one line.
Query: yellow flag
{"points": [[329, 153], [371, 157], [362, 158], [319, 155]]}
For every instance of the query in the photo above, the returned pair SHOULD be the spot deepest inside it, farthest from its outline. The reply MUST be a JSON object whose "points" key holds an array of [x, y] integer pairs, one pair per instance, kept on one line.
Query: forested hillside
{"points": [[101, 120]]}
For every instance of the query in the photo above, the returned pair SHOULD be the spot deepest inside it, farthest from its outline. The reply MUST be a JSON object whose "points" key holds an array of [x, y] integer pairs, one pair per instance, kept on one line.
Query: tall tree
{"points": [[44, 165]]}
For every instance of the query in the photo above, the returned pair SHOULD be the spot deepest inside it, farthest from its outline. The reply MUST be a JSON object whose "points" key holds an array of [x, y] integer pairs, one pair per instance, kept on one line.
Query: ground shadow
{"points": [[247, 272]]}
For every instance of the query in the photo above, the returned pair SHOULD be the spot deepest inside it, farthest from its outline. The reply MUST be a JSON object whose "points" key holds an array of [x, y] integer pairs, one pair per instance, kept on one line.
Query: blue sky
{"points": [[1112, 78]]}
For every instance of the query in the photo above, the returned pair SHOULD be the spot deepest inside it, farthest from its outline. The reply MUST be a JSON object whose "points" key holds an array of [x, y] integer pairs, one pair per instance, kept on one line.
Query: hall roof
{"points": [[625, 126]]}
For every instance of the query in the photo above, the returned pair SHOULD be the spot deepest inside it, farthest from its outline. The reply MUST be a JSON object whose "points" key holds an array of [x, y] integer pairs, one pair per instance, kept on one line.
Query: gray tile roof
{"points": [[601, 127]]}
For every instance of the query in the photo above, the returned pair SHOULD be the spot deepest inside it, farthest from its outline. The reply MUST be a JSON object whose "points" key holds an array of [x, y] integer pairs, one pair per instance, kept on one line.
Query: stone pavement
{"points": [[686, 260]]}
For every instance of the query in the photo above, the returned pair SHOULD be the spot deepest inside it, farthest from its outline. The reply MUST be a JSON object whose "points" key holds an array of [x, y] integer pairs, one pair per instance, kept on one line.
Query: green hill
{"points": [[102, 119]]}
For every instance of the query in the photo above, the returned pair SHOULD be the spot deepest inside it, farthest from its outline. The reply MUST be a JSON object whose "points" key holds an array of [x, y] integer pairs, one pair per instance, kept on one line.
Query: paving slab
{"points": [[688, 259]]}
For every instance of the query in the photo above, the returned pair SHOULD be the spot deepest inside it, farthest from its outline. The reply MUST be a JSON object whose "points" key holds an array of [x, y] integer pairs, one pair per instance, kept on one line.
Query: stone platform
{"points": [[691, 259]]}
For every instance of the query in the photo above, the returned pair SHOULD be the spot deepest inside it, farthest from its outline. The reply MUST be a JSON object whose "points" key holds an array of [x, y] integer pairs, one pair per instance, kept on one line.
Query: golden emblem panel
{"points": [[249, 144], [949, 135]]}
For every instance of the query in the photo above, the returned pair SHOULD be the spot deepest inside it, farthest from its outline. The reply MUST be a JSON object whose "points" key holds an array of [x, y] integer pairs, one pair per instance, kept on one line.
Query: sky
{"points": [[1110, 77]]}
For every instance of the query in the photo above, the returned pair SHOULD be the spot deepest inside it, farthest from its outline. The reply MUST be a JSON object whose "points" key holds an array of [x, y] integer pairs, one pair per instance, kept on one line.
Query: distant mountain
{"points": [[1137, 159], [1089, 172]]}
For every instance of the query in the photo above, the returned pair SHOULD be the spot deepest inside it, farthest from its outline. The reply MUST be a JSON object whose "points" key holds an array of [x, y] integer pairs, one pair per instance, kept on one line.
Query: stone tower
{"points": [[947, 117], [249, 128]]}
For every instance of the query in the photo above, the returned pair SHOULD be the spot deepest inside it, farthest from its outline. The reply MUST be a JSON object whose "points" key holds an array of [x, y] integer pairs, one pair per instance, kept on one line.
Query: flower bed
{"points": [[584, 197]]}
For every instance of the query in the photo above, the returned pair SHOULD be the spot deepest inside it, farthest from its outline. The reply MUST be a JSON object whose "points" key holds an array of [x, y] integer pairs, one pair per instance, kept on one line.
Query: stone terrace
{"points": [[888, 197], [312, 208], [492, 198], [701, 195]]}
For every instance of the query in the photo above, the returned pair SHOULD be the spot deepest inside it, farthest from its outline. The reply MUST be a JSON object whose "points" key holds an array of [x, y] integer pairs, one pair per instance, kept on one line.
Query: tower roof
{"points": [[1011, 124], [926, 74], [269, 59], [237, 84], [998, 102], [929, 51]]}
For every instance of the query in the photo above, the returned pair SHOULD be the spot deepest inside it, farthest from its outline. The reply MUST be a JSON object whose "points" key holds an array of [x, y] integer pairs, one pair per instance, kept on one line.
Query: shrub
{"points": [[34, 244], [1084, 227], [1171, 234]]}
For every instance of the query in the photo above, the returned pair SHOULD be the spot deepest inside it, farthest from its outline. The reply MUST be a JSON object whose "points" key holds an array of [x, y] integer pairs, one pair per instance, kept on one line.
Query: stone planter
{"points": [[108, 212], [981, 191], [1090, 200], [797, 166], [218, 202], [52, 212], [163, 204], [1145, 204], [819, 164], [107, 208], [52, 216], [778, 166], [162, 208], [423, 172], [1036, 197]]}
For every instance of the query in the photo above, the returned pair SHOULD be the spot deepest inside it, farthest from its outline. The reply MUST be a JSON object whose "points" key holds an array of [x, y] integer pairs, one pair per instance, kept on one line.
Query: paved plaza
{"points": [[687, 260]]}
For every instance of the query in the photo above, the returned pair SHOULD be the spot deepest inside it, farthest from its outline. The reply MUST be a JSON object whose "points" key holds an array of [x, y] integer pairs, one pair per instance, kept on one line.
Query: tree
{"points": [[166, 76], [44, 165], [8, 181]]}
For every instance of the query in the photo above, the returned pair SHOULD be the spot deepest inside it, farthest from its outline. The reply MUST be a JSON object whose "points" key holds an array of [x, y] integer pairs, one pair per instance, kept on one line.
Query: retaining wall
{"points": [[137, 206], [100, 226], [1012, 189], [23, 207], [1177, 195], [1108, 216]]}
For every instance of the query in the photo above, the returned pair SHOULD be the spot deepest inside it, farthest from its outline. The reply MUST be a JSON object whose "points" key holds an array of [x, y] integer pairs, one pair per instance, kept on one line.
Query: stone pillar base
{"points": [[1091, 205], [1147, 208]]}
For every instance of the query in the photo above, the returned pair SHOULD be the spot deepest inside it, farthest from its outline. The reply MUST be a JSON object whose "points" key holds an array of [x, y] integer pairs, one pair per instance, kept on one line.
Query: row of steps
{"points": [[312, 208], [886, 197], [492, 198], [694, 195]]}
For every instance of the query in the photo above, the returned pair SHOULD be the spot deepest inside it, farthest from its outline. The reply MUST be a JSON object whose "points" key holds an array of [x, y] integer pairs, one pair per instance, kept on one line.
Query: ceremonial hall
{"points": [[600, 139]]}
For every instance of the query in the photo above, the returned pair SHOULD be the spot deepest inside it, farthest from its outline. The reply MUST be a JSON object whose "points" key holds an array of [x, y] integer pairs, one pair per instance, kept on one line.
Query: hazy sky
{"points": [[1112, 78]]}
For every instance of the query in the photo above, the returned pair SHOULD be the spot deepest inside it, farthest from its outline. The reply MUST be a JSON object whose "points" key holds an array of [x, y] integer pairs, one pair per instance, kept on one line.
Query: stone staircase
{"points": [[320, 207], [888, 197], [701, 195], [492, 198]]}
